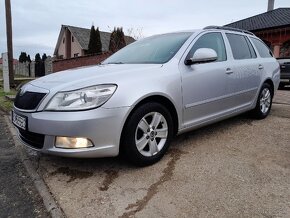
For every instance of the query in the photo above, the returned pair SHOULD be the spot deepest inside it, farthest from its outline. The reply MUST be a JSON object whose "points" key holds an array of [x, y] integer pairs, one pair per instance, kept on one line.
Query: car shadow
{"points": [[77, 167]]}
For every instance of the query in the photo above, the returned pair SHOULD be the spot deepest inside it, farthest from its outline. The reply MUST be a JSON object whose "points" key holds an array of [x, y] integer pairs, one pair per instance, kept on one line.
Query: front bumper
{"points": [[102, 126], [285, 78]]}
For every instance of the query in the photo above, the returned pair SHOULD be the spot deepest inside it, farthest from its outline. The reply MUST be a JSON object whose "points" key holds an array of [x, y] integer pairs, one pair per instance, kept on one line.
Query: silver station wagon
{"points": [[138, 99]]}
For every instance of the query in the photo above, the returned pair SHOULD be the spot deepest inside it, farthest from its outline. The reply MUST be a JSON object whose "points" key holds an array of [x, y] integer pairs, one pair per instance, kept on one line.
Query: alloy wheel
{"points": [[151, 134], [265, 100]]}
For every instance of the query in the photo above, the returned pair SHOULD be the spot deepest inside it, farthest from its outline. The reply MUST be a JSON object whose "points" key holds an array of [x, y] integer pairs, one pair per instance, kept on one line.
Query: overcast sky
{"points": [[36, 24]]}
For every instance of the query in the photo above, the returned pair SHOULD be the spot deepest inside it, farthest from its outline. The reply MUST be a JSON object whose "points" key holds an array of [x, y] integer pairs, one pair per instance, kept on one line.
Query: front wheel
{"points": [[264, 102], [147, 134]]}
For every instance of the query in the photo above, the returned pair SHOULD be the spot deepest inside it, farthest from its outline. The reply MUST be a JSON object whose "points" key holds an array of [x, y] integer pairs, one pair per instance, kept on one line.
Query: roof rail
{"points": [[228, 28]]}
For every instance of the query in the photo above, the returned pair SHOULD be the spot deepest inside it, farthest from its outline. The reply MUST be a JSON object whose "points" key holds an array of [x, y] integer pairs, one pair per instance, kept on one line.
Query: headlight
{"points": [[82, 99]]}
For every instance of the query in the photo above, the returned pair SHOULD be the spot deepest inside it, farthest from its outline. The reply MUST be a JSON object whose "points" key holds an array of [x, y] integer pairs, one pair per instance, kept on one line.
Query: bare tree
{"points": [[9, 41], [136, 33], [117, 40]]}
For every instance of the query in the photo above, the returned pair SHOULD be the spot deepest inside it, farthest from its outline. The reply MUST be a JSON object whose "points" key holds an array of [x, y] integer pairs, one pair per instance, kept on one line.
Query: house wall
{"points": [[275, 38], [61, 48], [65, 64], [67, 43], [75, 47]]}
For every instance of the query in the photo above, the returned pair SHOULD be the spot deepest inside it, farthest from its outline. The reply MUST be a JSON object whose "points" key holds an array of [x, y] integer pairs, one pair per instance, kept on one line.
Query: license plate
{"points": [[19, 121]]}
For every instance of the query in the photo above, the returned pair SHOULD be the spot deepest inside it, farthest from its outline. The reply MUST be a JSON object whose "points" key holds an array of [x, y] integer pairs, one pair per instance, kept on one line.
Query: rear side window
{"points": [[263, 50], [252, 50], [210, 40], [241, 49]]}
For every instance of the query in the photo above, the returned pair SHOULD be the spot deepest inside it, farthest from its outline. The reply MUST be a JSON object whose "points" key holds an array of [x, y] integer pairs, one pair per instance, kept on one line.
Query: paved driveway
{"points": [[18, 196], [236, 168]]}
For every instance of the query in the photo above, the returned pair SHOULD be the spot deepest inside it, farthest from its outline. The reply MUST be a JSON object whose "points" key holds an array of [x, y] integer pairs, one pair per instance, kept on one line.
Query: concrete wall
{"points": [[32, 69], [59, 65], [48, 65], [22, 69]]}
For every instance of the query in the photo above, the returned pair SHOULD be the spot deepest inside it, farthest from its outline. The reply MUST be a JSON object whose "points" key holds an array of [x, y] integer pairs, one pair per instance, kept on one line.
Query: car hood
{"points": [[88, 76]]}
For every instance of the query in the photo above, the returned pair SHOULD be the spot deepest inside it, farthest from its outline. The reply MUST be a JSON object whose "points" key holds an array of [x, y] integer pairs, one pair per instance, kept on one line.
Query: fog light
{"points": [[67, 142]]}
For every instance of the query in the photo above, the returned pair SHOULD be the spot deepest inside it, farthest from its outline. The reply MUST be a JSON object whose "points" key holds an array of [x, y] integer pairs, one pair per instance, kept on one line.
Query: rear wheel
{"points": [[147, 134], [264, 102]]}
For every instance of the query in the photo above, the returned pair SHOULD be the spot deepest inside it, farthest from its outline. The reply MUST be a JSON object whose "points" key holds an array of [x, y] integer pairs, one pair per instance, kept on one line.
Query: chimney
{"points": [[271, 5]]}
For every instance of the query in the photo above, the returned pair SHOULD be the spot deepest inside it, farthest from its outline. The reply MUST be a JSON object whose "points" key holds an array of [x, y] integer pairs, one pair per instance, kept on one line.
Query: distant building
{"points": [[73, 42], [273, 27], [14, 63]]}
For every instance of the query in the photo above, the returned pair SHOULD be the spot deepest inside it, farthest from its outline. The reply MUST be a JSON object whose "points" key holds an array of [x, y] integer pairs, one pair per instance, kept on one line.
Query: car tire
{"points": [[264, 102], [147, 134]]}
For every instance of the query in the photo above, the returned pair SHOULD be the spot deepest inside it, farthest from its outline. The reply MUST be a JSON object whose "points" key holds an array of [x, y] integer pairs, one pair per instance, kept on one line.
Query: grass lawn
{"points": [[5, 104]]}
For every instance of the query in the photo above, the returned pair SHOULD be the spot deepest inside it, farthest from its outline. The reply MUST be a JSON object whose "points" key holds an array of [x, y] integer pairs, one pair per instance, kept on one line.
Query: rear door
{"points": [[244, 75]]}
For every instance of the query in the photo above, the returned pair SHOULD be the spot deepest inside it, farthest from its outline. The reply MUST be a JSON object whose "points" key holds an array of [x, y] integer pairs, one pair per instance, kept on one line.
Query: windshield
{"points": [[153, 50]]}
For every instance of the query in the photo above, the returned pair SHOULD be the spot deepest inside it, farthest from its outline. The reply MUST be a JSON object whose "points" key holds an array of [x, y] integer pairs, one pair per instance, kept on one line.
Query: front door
{"points": [[204, 85]]}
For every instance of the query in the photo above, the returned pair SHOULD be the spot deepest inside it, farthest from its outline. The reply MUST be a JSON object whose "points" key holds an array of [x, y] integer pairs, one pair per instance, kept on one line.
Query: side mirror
{"points": [[202, 55]]}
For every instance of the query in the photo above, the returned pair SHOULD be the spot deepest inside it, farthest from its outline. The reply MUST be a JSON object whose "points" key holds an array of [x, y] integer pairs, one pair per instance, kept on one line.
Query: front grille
{"points": [[29, 100], [33, 139]]}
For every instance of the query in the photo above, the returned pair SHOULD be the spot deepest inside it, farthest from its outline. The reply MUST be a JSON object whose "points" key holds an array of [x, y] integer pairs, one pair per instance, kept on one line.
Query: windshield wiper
{"points": [[115, 63]]}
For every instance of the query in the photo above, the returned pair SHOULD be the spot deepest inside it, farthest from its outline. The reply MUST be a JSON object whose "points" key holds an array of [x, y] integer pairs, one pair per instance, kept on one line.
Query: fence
{"points": [[34, 69], [37, 69], [65, 64]]}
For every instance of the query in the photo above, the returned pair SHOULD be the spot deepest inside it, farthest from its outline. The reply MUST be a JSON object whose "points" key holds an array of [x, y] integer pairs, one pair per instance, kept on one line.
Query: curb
{"points": [[50, 204]]}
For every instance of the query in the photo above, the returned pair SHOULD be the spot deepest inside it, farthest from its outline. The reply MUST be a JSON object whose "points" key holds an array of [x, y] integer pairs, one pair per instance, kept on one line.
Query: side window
{"points": [[240, 46], [252, 50], [263, 50], [210, 40]]}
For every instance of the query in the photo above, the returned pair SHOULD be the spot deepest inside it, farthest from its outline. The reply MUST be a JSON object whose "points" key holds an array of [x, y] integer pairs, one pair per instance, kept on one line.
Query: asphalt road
{"points": [[18, 196], [236, 168]]}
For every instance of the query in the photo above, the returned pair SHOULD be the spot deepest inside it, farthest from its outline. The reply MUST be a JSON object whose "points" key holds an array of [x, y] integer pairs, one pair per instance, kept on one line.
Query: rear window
{"points": [[241, 48], [263, 50]]}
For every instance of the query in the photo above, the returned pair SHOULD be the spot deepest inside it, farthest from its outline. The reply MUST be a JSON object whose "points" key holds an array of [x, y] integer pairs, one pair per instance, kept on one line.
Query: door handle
{"points": [[261, 67], [229, 71]]}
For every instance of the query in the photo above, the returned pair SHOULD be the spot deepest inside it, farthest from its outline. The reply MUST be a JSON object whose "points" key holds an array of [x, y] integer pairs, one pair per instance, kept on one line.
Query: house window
{"points": [[63, 40], [76, 54], [60, 57], [72, 39]]}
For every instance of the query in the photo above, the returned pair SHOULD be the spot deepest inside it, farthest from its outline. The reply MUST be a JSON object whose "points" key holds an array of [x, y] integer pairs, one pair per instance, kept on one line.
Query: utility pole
{"points": [[9, 40]]}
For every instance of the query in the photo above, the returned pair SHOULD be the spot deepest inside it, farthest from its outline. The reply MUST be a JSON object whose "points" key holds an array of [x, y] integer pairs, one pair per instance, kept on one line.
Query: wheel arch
{"points": [[158, 99], [270, 82]]}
